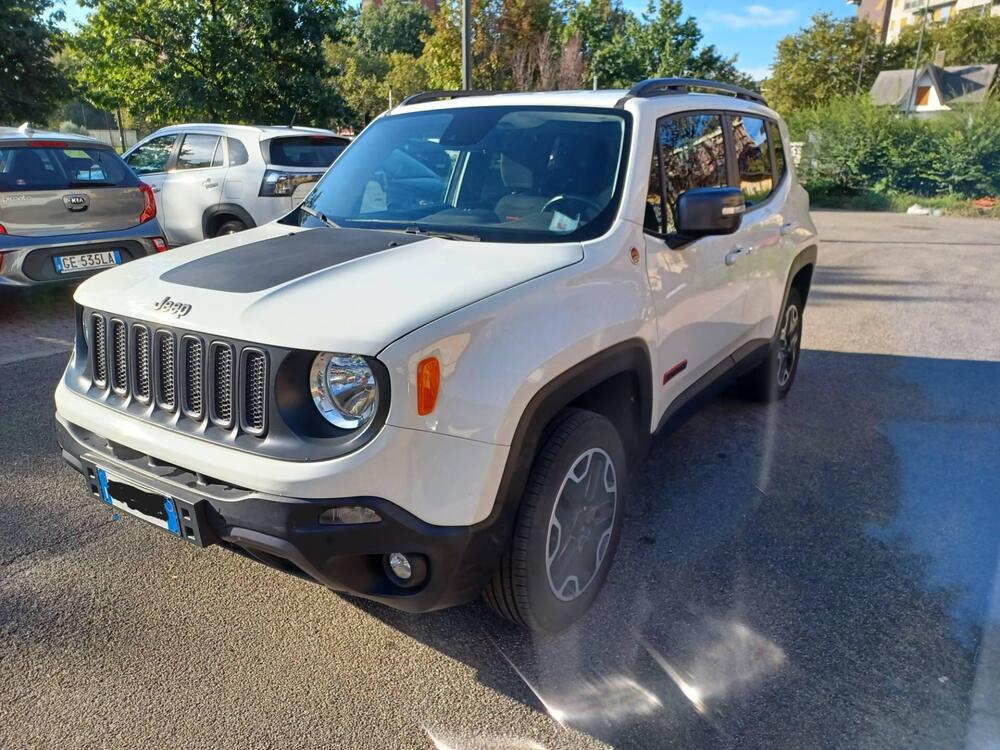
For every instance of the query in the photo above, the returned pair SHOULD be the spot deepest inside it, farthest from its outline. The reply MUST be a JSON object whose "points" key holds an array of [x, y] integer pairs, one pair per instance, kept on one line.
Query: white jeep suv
{"points": [[211, 180], [433, 378]]}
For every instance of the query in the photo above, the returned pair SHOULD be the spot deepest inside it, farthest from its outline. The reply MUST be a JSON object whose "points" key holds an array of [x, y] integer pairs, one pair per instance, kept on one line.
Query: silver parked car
{"points": [[213, 179], [69, 207]]}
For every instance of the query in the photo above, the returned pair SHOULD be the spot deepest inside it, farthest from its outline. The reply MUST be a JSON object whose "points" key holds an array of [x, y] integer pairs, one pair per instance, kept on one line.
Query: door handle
{"points": [[156, 188], [734, 255], [209, 183], [787, 229]]}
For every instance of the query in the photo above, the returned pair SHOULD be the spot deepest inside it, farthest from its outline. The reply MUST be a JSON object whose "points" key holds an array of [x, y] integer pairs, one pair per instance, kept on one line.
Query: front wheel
{"points": [[772, 379], [567, 527]]}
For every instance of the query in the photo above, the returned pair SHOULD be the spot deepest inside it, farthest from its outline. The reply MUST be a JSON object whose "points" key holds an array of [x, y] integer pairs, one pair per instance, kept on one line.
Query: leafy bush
{"points": [[854, 148]]}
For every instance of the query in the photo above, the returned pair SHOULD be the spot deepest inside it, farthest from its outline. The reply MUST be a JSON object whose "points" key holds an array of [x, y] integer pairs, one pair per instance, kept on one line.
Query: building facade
{"points": [[891, 17]]}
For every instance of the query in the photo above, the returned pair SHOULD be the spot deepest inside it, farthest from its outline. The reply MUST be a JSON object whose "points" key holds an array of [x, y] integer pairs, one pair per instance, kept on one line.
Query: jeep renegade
{"points": [[433, 378]]}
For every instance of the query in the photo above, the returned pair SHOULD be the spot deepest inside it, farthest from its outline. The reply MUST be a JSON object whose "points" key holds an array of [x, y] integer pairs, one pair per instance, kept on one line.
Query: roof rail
{"points": [[434, 96], [663, 86]]}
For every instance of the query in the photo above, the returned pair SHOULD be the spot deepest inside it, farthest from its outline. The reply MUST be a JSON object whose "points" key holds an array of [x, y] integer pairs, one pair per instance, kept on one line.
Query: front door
{"points": [[193, 186], [150, 160], [699, 287]]}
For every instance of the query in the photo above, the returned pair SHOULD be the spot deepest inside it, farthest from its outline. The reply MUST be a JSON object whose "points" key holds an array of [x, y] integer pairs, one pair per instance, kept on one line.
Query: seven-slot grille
{"points": [[202, 377]]}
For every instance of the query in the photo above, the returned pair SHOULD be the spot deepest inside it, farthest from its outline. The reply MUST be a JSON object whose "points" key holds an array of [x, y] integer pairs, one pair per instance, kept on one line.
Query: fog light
{"points": [[399, 564], [349, 514]]}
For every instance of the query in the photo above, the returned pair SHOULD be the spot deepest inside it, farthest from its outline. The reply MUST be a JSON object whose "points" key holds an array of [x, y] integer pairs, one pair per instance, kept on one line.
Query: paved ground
{"points": [[822, 573]]}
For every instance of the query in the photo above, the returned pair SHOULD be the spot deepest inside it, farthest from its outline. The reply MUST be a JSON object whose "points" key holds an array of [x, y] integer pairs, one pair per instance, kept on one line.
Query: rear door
{"points": [[193, 186], [55, 187], [765, 191]]}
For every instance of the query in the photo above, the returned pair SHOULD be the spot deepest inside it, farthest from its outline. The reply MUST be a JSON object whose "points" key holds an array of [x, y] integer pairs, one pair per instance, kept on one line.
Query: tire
{"points": [[230, 227], [532, 587], [773, 378]]}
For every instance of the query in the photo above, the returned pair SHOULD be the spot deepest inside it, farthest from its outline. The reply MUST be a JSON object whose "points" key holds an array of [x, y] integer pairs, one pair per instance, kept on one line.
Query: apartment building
{"points": [[890, 17]]}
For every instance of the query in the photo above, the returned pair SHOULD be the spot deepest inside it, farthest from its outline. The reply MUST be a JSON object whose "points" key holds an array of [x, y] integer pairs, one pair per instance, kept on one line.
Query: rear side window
{"points": [[237, 153], [152, 156], [303, 151], [692, 149], [753, 158], [25, 168], [199, 151]]}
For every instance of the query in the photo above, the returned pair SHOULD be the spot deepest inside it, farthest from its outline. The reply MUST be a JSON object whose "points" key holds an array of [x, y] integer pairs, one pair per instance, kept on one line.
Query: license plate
{"points": [[149, 505], [87, 261]]}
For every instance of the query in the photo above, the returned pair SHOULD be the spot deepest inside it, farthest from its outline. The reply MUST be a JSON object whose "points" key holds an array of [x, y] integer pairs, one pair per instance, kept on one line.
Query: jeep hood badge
{"points": [[172, 307]]}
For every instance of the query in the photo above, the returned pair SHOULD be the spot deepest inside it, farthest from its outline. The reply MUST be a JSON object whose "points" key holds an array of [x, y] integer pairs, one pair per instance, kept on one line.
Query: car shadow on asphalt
{"points": [[811, 573]]}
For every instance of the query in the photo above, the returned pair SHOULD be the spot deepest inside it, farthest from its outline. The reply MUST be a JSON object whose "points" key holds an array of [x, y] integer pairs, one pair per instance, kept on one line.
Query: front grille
{"points": [[222, 369], [194, 369], [166, 375], [99, 360], [180, 375], [142, 375], [254, 390], [119, 356]]}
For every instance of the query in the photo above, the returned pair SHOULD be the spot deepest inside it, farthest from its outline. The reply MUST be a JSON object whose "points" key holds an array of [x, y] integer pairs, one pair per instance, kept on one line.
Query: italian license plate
{"points": [[87, 261], [149, 505]]}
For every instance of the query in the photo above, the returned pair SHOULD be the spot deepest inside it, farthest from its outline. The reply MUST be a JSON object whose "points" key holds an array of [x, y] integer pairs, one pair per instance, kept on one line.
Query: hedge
{"points": [[853, 147]]}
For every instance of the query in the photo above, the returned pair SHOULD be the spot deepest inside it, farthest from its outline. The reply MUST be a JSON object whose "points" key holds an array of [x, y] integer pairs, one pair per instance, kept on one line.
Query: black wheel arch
{"points": [[800, 275], [622, 375], [222, 212]]}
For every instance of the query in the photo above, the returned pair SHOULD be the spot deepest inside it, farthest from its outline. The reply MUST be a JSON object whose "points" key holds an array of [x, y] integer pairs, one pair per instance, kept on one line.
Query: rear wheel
{"points": [[772, 379], [567, 528], [232, 226]]}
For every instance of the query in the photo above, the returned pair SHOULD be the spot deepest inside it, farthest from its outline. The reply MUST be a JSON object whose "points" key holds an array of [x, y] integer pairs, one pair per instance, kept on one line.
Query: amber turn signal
{"points": [[428, 384]]}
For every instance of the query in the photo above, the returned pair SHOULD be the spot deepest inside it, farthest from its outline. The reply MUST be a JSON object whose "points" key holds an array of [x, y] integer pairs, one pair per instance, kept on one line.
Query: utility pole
{"points": [[864, 53], [911, 103], [595, 81], [467, 44]]}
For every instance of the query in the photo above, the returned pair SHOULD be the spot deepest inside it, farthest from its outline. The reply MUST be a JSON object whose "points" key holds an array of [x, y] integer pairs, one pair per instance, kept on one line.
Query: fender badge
{"points": [[634, 256], [172, 307]]}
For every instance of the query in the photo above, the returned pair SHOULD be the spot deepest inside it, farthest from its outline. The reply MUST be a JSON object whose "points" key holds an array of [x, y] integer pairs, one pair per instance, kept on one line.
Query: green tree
{"points": [[368, 80], [967, 39], [221, 60], [393, 26], [31, 83], [621, 48], [822, 62]]}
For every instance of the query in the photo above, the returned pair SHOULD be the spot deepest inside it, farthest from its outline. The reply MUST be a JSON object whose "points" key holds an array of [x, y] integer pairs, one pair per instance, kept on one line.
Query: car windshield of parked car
{"points": [[521, 174], [61, 167]]}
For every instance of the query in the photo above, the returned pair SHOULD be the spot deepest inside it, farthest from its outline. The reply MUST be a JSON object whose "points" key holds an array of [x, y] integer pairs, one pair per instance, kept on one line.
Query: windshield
{"points": [[527, 174], [60, 167]]}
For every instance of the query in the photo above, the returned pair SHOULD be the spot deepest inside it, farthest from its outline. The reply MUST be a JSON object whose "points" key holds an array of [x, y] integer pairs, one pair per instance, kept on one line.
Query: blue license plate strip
{"points": [[142, 502]]}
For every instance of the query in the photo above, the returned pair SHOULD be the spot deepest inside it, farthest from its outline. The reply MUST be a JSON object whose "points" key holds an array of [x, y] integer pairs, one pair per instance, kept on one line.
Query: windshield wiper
{"points": [[317, 215], [443, 235]]}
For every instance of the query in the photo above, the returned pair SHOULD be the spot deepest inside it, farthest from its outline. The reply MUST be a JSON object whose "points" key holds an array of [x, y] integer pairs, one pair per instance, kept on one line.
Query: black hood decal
{"points": [[268, 263]]}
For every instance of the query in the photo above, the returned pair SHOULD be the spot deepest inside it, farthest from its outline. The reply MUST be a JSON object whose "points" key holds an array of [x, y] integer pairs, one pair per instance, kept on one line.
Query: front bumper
{"points": [[284, 532]]}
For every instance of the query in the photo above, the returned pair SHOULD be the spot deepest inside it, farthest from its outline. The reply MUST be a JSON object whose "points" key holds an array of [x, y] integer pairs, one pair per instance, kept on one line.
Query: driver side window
{"points": [[152, 157], [692, 151]]}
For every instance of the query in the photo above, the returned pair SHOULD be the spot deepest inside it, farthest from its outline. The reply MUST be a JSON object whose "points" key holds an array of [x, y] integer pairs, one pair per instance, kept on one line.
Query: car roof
{"points": [[27, 134], [600, 99], [263, 132]]}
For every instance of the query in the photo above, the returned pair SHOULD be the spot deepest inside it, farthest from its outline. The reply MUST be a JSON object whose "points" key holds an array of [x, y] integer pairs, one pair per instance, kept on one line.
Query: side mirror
{"points": [[710, 211]]}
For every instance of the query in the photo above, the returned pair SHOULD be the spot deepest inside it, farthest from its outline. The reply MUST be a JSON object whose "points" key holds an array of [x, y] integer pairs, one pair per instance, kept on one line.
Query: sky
{"points": [[750, 30]]}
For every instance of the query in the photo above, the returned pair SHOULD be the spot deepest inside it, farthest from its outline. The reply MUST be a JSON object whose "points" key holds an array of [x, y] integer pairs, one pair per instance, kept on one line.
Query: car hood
{"points": [[350, 290]]}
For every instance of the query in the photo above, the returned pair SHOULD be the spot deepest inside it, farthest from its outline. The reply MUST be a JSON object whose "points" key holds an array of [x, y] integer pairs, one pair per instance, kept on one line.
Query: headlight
{"points": [[344, 390]]}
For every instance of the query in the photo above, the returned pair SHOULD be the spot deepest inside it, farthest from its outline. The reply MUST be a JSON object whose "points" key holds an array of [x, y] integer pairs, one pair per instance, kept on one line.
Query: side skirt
{"points": [[712, 383]]}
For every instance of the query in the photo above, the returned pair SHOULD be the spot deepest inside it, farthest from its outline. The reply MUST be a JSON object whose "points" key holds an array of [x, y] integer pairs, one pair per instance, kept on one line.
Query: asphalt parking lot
{"points": [[824, 572]]}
